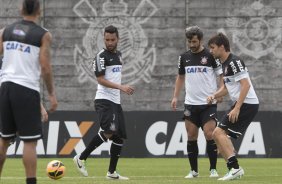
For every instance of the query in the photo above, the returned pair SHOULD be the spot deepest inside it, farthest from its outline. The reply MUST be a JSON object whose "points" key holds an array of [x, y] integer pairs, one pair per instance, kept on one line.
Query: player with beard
{"points": [[107, 66], [199, 71]]}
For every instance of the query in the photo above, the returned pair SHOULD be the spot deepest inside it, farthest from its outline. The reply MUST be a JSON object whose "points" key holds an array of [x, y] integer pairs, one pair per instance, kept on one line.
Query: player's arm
{"points": [[46, 69], [178, 86], [222, 91], [124, 88], [1, 41], [245, 87]]}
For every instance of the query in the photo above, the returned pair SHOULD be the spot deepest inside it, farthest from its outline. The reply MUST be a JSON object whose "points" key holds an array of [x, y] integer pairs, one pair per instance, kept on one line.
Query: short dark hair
{"points": [[220, 39], [30, 7], [111, 29], [194, 31]]}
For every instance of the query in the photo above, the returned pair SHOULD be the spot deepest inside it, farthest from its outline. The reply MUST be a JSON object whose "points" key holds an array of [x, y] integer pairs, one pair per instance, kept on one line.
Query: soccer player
{"points": [[199, 70], [107, 66], [245, 106], [26, 56]]}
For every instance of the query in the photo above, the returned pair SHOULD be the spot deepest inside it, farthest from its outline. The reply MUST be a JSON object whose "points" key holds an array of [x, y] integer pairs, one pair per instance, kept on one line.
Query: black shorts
{"points": [[246, 115], [200, 114], [20, 112], [110, 117]]}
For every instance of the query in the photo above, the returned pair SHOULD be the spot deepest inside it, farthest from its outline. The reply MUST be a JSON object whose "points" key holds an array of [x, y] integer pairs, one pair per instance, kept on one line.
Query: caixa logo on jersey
{"points": [[139, 55], [196, 70], [17, 46], [116, 69]]}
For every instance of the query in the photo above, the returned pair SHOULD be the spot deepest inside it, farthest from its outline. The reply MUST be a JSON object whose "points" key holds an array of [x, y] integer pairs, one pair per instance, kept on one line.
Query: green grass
{"points": [[147, 171]]}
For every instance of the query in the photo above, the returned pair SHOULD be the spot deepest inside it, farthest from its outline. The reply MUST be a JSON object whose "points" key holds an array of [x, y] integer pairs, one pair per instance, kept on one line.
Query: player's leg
{"points": [[96, 141], [7, 125], [221, 136], [192, 147], [235, 130], [115, 151], [209, 122], [80, 159], [4, 144], [227, 151], [27, 115], [225, 145], [30, 161], [117, 144], [105, 117], [211, 146]]}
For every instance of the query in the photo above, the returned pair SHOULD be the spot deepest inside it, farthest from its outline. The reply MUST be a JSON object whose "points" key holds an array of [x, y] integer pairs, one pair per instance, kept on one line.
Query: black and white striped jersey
{"points": [[21, 44], [108, 64], [200, 70], [234, 70]]}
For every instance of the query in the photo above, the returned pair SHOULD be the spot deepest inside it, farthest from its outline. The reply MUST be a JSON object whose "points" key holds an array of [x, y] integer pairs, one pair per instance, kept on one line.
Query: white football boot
{"points": [[115, 176], [80, 165], [192, 174], [233, 174], [213, 173]]}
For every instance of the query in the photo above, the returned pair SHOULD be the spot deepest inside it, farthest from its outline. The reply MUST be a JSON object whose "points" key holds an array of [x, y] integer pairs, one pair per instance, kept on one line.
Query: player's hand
{"points": [[44, 114], [127, 89], [233, 115], [210, 99], [173, 103], [53, 103]]}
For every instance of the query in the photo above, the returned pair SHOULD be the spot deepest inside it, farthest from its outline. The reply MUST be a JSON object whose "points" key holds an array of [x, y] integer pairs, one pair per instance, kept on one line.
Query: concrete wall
{"points": [[152, 37]]}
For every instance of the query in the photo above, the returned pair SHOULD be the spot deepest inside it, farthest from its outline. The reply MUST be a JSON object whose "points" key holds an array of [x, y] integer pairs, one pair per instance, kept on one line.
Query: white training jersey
{"points": [[21, 44], [234, 70], [201, 71], [109, 65]]}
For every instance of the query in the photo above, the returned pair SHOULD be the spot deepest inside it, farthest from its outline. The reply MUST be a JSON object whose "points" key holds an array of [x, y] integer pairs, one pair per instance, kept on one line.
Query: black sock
{"points": [[212, 153], [193, 151], [232, 163], [95, 143], [115, 154], [30, 180]]}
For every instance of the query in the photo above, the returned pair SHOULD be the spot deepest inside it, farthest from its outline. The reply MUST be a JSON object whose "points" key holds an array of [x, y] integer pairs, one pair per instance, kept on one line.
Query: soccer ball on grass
{"points": [[55, 169]]}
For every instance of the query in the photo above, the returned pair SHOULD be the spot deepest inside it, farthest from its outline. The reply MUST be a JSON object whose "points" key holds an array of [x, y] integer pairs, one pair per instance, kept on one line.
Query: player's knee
{"points": [[209, 135], [117, 140], [105, 136], [216, 133], [192, 136]]}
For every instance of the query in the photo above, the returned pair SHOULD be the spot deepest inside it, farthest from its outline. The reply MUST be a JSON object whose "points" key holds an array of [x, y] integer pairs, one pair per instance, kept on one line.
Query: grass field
{"points": [[148, 171]]}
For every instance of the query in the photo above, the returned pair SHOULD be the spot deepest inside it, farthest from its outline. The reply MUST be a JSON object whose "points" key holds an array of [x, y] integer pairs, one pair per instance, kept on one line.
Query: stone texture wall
{"points": [[152, 37]]}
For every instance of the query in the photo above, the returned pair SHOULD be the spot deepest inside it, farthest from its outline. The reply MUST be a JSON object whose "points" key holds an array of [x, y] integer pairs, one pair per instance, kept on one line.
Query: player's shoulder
{"points": [[185, 54], [101, 53], [235, 59]]}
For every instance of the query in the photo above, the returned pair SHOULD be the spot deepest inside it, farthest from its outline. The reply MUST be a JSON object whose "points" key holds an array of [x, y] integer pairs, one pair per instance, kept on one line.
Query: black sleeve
{"points": [[237, 66], [181, 68], [99, 65], [215, 63]]}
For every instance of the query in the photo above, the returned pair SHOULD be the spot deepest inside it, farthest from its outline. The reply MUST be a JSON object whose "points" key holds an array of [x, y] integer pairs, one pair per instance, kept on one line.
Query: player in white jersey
{"points": [[107, 66], [199, 70], [245, 106], [26, 57]]}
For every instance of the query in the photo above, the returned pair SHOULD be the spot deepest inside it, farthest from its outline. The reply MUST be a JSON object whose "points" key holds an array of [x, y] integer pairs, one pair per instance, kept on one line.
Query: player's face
{"points": [[111, 41], [215, 51], [194, 44]]}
